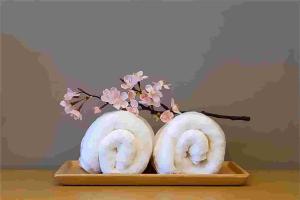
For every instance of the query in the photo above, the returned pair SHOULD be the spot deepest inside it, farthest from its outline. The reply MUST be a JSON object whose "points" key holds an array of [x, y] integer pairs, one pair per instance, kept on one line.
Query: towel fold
{"points": [[191, 143], [117, 142]]}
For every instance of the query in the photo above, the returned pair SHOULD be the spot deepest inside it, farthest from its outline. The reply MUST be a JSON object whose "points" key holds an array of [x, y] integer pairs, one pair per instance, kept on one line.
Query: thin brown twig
{"points": [[231, 117], [75, 102], [164, 106], [91, 95], [158, 112], [103, 105]]}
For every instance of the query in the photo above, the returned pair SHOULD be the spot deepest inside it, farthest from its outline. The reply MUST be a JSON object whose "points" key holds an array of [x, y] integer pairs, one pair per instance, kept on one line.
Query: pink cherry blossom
{"points": [[166, 116], [154, 90], [67, 106], [167, 86], [145, 99], [131, 80], [69, 109], [109, 95], [162, 84], [140, 75], [134, 103], [131, 94], [154, 93], [115, 97], [120, 101], [133, 107], [174, 106], [76, 114], [149, 98], [97, 109], [70, 94], [156, 86]]}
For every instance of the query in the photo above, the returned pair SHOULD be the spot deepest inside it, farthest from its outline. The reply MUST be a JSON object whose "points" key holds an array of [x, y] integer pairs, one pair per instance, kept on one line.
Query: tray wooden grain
{"points": [[70, 173]]}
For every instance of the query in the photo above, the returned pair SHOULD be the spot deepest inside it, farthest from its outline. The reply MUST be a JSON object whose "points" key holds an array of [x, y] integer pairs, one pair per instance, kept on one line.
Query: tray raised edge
{"points": [[70, 173]]}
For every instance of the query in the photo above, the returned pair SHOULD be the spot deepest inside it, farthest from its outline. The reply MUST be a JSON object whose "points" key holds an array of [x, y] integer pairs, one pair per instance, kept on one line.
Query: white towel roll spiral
{"points": [[191, 143], [117, 142]]}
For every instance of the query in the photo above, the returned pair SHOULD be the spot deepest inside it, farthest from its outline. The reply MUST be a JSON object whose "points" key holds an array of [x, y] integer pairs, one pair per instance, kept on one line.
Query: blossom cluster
{"points": [[132, 97], [69, 106]]}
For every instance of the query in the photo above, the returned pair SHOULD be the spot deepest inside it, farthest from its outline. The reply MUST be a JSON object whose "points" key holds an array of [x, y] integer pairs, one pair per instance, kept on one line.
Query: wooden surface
{"points": [[70, 173], [39, 184]]}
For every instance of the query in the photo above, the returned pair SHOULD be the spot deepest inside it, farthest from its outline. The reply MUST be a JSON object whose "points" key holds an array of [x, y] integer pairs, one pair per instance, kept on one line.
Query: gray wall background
{"points": [[228, 57]]}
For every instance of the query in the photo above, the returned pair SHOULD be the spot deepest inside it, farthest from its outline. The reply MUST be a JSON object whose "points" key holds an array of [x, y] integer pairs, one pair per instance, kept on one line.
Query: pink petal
{"points": [[125, 86], [127, 78], [175, 109], [97, 109], [68, 109], [70, 94], [69, 90], [106, 97], [124, 95], [172, 102], [167, 86], [148, 88], [156, 99], [157, 86], [134, 103], [114, 94], [114, 90], [166, 116], [139, 73], [76, 114], [130, 81], [63, 103], [144, 95], [131, 94], [158, 93], [124, 104], [67, 106], [134, 80], [174, 106], [117, 106], [161, 82], [106, 92]]}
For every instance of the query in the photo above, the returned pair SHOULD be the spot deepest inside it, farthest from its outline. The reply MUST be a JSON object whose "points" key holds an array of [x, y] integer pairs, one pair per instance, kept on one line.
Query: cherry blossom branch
{"points": [[75, 102], [149, 99], [139, 84], [103, 105], [88, 94], [148, 108], [92, 95], [231, 117], [157, 112], [164, 106], [98, 97]]}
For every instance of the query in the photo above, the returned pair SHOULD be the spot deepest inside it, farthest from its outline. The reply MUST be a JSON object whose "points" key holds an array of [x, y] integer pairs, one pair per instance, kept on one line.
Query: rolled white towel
{"points": [[117, 142], [191, 143]]}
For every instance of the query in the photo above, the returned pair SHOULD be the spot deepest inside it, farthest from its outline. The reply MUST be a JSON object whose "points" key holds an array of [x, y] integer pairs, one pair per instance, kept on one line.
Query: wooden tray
{"points": [[70, 173]]}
